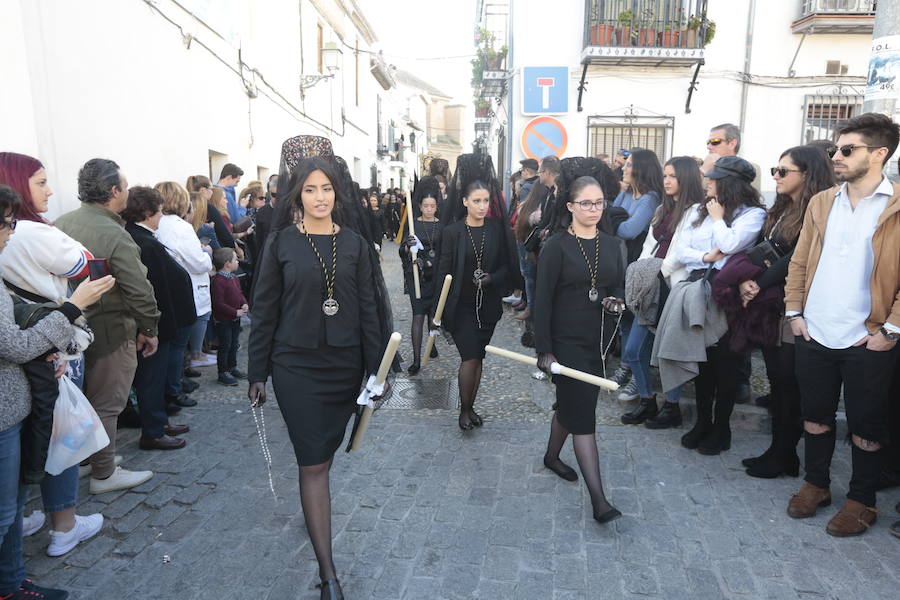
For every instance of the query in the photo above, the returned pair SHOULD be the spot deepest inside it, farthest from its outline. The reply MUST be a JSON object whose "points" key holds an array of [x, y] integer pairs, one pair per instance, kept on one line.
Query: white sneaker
{"points": [[84, 529], [512, 299], [33, 523], [85, 470], [205, 360], [121, 479]]}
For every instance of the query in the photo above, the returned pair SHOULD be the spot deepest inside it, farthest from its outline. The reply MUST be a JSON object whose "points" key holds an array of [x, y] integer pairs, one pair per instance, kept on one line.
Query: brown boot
{"points": [[854, 518], [804, 503]]}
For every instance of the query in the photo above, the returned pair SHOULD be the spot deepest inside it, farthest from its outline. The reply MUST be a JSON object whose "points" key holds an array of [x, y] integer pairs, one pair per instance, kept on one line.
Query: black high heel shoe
{"points": [[469, 426], [476, 419], [413, 369], [434, 352], [330, 589], [610, 515], [561, 469]]}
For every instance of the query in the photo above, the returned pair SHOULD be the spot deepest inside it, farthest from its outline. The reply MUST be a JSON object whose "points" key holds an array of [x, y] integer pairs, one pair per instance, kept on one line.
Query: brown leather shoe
{"points": [[165, 442], [804, 503], [854, 518], [176, 429]]}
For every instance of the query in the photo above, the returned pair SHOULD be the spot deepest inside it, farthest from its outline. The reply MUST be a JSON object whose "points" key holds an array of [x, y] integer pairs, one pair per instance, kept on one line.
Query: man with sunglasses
{"points": [[842, 297], [725, 140]]}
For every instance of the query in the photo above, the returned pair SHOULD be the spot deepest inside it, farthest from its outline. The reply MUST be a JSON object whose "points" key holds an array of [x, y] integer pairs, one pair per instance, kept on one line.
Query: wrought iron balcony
{"points": [[835, 16], [646, 32]]}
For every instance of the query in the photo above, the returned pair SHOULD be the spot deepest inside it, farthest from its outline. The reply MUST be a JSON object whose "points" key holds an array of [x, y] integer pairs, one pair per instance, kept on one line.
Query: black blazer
{"points": [[500, 261], [222, 234], [562, 311], [172, 285], [287, 301]]}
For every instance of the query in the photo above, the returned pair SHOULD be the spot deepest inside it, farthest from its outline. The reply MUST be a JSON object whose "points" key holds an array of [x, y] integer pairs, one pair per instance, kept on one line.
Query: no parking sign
{"points": [[543, 136]]}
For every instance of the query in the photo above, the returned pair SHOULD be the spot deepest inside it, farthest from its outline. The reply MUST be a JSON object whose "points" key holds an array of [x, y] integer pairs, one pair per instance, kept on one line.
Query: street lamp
{"points": [[331, 58]]}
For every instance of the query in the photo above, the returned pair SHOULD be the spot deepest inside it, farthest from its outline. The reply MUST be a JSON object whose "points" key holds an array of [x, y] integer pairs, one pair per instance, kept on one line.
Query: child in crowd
{"points": [[229, 305]]}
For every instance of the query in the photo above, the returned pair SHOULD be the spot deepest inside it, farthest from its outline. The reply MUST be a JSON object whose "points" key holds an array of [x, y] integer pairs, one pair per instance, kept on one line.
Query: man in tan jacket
{"points": [[842, 299]]}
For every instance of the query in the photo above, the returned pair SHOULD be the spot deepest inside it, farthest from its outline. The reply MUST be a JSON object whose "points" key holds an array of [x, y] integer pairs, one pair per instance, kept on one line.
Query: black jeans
{"points": [[718, 380], [229, 333], [149, 387], [866, 379], [787, 426]]}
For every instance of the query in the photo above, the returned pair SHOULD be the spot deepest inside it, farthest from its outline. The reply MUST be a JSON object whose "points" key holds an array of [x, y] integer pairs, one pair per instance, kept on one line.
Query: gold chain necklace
{"points": [[330, 306], [593, 294]]}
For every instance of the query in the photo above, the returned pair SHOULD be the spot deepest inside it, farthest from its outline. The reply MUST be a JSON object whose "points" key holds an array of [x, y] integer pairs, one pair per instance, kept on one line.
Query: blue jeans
{"points": [[228, 333], [12, 503], [636, 349], [198, 332], [529, 269], [175, 366]]}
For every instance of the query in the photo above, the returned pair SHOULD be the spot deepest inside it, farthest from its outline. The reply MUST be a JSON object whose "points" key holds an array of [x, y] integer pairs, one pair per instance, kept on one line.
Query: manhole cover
{"points": [[422, 393]]}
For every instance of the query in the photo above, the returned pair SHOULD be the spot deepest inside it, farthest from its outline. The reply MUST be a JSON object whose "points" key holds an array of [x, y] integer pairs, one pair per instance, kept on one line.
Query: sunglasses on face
{"points": [[782, 172], [11, 224], [714, 141], [847, 149]]}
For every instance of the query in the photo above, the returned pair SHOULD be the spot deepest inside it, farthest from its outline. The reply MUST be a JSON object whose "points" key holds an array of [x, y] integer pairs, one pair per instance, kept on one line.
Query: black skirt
{"points": [[316, 392], [576, 401], [470, 339]]}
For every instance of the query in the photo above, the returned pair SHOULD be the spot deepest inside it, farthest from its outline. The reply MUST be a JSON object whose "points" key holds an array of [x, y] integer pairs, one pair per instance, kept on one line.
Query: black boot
{"points": [[719, 439], [646, 408], [668, 416], [781, 457], [702, 426]]}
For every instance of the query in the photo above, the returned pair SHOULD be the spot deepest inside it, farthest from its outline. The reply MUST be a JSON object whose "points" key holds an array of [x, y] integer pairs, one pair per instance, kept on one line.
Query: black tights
{"points": [[469, 381], [418, 324], [315, 498], [588, 461], [787, 425]]}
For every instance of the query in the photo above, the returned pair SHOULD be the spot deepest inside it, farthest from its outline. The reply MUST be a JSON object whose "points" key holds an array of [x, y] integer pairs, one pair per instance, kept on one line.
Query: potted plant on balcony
{"points": [[671, 34], [495, 58], [647, 28], [482, 108], [710, 32], [625, 22], [478, 64], [601, 33], [695, 26]]}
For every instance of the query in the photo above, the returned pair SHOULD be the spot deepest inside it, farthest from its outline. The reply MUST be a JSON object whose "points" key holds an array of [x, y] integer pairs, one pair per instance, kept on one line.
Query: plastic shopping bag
{"points": [[77, 430]]}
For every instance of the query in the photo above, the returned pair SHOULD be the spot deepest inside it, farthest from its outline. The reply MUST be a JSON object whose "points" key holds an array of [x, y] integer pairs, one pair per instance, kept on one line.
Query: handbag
{"points": [[77, 430], [532, 243], [765, 254]]}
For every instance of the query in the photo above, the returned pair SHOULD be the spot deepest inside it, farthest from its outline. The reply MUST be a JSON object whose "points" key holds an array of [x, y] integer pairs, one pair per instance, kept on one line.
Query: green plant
{"points": [[694, 22], [626, 18], [710, 32]]}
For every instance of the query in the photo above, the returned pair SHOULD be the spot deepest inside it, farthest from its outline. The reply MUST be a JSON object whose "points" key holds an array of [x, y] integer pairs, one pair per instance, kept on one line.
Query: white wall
{"points": [[773, 119], [112, 78]]}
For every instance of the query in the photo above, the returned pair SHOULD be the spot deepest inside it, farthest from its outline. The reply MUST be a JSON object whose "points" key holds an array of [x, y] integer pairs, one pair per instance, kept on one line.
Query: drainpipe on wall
{"points": [[510, 116], [751, 17]]}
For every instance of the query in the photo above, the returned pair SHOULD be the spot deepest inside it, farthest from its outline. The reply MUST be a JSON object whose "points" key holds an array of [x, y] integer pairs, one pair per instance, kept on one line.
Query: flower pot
{"points": [[493, 63], [482, 112], [669, 38], [601, 35], [689, 38], [647, 37], [623, 35]]}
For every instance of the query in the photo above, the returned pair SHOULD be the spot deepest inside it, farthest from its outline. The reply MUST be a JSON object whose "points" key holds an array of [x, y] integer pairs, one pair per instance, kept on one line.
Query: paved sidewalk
{"points": [[427, 512]]}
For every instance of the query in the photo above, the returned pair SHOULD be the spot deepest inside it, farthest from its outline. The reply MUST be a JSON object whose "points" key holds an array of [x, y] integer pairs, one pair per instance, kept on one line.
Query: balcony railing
{"points": [[641, 31], [835, 16]]}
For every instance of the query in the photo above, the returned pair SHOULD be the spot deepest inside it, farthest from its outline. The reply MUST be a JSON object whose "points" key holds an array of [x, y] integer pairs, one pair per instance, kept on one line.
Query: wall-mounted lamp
{"points": [[331, 59]]}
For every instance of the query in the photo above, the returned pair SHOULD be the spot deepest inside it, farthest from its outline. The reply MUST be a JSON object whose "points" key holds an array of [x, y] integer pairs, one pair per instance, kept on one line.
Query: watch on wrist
{"points": [[891, 336]]}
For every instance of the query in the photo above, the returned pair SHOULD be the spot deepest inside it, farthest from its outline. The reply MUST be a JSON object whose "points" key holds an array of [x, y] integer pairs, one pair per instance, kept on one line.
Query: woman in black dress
{"points": [[478, 250], [316, 331], [376, 218], [578, 267], [427, 234]]}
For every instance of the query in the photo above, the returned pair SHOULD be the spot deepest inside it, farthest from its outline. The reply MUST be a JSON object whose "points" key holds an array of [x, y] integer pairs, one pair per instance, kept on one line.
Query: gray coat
{"points": [[18, 346], [690, 323]]}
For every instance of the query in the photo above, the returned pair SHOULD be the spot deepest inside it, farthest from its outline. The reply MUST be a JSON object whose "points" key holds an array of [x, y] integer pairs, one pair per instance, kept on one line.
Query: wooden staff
{"points": [[413, 252], [400, 229], [362, 423], [556, 368], [438, 313]]}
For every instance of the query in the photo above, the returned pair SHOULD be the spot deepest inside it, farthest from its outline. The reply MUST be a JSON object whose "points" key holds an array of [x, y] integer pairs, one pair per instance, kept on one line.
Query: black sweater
{"points": [[563, 313]]}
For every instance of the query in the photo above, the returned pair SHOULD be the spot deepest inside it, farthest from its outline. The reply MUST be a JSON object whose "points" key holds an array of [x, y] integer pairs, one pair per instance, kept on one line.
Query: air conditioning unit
{"points": [[835, 67]]}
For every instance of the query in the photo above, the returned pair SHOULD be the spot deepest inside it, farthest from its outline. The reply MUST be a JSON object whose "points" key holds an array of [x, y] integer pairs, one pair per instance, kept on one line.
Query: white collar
{"points": [[884, 188]]}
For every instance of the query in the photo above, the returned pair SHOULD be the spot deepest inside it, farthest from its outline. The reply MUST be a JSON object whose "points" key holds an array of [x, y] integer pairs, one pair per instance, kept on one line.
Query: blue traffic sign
{"points": [[545, 90]]}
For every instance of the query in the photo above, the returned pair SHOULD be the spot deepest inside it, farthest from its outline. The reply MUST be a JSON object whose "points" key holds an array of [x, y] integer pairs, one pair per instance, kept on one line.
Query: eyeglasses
{"points": [[588, 205], [11, 224], [714, 141], [847, 149], [782, 172], [273, 195]]}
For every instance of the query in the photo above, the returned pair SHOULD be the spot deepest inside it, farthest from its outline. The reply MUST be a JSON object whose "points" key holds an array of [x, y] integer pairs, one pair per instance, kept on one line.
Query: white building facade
{"points": [[169, 89], [785, 71]]}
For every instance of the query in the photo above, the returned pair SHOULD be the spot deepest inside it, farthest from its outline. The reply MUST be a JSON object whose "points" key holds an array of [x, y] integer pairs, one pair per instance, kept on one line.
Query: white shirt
{"points": [[840, 297], [695, 242], [41, 259], [182, 242]]}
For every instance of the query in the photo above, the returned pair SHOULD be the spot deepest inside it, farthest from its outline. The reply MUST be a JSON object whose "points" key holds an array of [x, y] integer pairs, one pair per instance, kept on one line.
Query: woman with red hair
{"points": [[37, 264]]}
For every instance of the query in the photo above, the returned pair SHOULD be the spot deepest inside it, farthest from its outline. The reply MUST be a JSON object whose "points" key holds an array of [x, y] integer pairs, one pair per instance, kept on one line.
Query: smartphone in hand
{"points": [[97, 268]]}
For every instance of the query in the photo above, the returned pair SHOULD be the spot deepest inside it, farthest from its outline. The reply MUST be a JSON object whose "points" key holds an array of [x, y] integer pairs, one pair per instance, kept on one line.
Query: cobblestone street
{"points": [[425, 511]]}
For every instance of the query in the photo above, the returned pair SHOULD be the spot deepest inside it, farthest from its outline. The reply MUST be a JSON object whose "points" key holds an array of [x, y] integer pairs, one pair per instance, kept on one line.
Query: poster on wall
{"points": [[884, 69]]}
